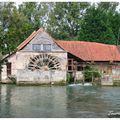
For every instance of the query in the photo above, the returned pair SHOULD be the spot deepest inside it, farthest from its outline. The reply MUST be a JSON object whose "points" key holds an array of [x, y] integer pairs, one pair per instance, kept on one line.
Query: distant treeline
{"points": [[99, 22]]}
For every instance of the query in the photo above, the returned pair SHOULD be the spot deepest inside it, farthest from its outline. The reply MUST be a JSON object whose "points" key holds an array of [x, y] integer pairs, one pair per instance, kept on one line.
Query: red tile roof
{"points": [[87, 51], [91, 51]]}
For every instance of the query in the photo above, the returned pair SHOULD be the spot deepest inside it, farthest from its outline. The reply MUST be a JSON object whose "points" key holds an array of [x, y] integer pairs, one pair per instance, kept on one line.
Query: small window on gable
{"points": [[46, 47], [36, 47]]}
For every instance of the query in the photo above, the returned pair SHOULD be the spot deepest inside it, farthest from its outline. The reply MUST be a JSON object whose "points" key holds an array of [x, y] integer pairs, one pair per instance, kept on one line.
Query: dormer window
{"points": [[46, 47], [36, 47]]}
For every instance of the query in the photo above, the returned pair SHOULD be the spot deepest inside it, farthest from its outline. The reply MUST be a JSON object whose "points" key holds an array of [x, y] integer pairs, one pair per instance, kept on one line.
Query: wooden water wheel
{"points": [[44, 62]]}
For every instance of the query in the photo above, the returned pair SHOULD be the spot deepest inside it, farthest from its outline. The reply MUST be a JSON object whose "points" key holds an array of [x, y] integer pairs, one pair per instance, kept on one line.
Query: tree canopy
{"points": [[97, 22]]}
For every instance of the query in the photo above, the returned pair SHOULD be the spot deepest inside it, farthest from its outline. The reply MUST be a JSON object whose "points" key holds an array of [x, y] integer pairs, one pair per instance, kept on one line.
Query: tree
{"points": [[113, 16], [35, 13], [17, 24], [65, 19], [97, 26], [1, 62], [5, 13], [18, 30]]}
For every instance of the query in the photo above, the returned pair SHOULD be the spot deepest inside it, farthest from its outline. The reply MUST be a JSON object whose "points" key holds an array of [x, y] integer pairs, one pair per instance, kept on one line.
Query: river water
{"points": [[58, 101]]}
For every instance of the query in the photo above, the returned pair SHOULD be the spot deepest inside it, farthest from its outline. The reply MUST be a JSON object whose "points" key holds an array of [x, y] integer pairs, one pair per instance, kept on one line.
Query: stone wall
{"points": [[12, 60], [79, 75], [40, 77], [110, 74], [107, 80], [23, 58], [4, 72]]}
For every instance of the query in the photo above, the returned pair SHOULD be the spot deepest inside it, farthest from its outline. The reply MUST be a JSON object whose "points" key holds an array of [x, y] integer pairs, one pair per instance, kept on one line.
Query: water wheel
{"points": [[44, 62]]}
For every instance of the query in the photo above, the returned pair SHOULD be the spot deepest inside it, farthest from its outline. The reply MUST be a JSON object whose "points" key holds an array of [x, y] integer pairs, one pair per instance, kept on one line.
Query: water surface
{"points": [[58, 101]]}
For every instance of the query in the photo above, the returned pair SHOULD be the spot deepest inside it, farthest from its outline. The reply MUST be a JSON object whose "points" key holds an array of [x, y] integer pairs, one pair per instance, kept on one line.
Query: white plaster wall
{"points": [[23, 58], [11, 59], [107, 80], [27, 76], [4, 73], [79, 75]]}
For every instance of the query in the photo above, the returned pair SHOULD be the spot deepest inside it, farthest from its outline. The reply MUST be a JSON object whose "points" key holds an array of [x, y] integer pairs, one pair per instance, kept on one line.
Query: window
{"points": [[8, 69], [36, 47], [46, 47], [79, 68], [70, 65]]}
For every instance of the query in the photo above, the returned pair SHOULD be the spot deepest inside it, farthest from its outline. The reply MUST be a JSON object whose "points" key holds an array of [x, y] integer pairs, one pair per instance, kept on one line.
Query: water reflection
{"points": [[85, 102], [65, 101], [32, 101], [5, 101]]}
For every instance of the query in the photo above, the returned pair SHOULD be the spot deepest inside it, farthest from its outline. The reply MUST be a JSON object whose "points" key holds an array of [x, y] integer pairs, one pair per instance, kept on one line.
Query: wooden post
{"points": [[0, 72], [74, 71], [92, 77], [84, 76], [0, 76]]}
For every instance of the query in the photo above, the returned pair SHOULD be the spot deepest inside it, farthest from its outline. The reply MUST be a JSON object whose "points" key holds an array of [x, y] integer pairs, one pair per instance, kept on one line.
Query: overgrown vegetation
{"points": [[69, 78], [90, 73], [1, 62], [99, 22]]}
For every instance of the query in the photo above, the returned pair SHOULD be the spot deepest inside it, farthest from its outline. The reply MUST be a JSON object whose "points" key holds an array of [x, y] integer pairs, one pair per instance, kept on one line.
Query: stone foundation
{"points": [[41, 77]]}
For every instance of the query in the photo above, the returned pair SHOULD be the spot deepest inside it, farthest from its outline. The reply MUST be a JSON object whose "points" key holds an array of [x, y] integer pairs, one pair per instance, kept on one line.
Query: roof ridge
{"points": [[83, 41]]}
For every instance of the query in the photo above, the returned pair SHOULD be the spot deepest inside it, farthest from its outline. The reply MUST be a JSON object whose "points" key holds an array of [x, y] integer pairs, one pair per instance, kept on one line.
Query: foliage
{"points": [[16, 24], [96, 26], [98, 22], [1, 62], [64, 19], [90, 73], [69, 78]]}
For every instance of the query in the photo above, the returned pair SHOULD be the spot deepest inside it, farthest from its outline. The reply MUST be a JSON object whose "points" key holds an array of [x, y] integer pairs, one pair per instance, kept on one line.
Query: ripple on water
{"points": [[59, 101]]}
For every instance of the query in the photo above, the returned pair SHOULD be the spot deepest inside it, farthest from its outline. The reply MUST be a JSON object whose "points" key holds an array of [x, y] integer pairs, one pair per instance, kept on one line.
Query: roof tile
{"points": [[91, 51]]}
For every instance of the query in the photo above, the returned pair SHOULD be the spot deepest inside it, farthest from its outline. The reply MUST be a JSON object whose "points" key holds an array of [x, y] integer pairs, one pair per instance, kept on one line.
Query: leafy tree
{"points": [[1, 62], [17, 24], [97, 25], [5, 13], [18, 30], [35, 13], [115, 25], [65, 19], [113, 16]]}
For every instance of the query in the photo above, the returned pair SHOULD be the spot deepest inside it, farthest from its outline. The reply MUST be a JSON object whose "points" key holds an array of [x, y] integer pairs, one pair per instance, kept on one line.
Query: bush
{"points": [[69, 78], [91, 73]]}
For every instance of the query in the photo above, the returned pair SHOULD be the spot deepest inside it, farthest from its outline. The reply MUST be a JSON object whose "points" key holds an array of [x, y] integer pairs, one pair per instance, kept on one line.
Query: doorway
{"points": [[8, 69]]}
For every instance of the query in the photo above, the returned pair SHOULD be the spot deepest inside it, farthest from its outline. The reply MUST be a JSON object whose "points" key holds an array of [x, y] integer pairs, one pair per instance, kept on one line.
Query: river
{"points": [[58, 101]]}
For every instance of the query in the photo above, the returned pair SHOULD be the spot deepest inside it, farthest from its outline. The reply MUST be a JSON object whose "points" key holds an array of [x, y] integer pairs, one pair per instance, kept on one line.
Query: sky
{"points": [[20, 1]]}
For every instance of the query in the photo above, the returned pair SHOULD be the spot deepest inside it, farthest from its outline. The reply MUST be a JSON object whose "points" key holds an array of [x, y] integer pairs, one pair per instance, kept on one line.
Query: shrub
{"points": [[90, 73], [69, 78]]}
